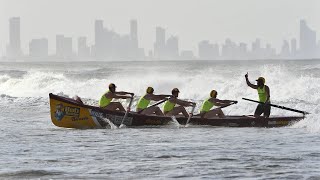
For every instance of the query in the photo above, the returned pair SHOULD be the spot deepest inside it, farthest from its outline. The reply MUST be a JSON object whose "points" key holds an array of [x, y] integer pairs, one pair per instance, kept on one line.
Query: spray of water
{"points": [[295, 86]]}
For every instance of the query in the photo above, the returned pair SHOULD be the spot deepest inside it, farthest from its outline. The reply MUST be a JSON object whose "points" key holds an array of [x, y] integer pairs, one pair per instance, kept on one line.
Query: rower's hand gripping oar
{"points": [[126, 114], [280, 107], [191, 114]]}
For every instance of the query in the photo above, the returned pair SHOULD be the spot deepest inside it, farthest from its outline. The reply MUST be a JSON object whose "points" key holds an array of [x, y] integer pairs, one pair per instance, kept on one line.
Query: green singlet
{"points": [[104, 101], [262, 94], [206, 105], [168, 106], [143, 103]]}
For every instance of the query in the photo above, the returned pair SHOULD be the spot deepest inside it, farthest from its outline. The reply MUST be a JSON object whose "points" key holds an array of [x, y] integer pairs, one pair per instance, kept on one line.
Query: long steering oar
{"points": [[155, 104], [126, 114], [277, 106], [190, 115]]}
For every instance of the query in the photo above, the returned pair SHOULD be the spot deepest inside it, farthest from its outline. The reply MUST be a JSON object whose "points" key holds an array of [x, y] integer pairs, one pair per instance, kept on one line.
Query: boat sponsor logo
{"points": [[96, 114], [59, 113], [62, 111]]}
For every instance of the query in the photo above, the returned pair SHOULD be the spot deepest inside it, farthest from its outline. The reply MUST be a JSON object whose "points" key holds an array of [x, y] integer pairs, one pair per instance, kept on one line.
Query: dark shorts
{"points": [[263, 108]]}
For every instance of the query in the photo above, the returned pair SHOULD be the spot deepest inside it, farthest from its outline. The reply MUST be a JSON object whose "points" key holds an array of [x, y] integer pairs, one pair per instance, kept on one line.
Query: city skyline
{"points": [[192, 20], [110, 45]]}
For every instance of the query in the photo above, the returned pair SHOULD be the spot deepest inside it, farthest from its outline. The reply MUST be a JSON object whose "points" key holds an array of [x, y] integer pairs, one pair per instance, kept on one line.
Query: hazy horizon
{"points": [[192, 21]]}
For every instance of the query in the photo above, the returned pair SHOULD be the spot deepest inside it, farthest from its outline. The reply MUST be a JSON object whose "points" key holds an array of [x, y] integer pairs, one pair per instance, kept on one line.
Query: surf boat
{"points": [[69, 113]]}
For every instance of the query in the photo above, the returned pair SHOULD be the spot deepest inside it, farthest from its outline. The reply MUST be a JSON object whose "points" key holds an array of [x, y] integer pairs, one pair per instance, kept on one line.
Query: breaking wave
{"points": [[291, 85]]}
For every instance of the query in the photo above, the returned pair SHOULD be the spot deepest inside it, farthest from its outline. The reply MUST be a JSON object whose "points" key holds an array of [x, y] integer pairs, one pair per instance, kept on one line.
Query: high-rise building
{"points": [[83, 49], [172, 48], [38, 48], [134, 33], [64, 47], [14, 46], [285, 50], [293, 47], [307, 41], [160, 44]]}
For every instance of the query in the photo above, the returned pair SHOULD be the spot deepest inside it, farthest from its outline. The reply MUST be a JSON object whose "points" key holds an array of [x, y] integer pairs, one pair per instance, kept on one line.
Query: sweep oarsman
{"points": [[106, 99], [144, 101], [264, 96]]}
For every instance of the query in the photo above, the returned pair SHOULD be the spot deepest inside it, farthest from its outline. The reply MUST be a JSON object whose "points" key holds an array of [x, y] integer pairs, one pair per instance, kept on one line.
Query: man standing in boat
{"points": [[144, 101], [212, 101], [169, 108], [106, 98], [264, 96]]}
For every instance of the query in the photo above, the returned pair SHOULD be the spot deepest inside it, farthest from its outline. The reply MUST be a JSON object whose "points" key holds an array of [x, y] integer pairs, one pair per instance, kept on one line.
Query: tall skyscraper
{"points": [[160, 44], [14, 46], [172, 48], [134, 33], [83, 49], [307, 41], [64, 47]]}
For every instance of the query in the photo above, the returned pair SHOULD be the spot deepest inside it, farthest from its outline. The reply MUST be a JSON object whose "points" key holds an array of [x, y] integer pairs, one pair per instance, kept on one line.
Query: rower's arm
{"points": [[219, 102], [121, 96], [184, 103], [268, 94], [124, 93], [249, 83], [159, 97]]}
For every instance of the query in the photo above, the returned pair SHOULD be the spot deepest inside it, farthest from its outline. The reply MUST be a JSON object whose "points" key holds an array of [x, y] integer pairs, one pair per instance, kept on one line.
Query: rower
{"points": [[144, 101], [212, 101], [264, 96], [106, 98], [169, 108]]}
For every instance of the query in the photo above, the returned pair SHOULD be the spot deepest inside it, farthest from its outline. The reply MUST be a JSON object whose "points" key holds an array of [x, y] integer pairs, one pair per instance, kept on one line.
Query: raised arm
{"points": [[249, 83]]}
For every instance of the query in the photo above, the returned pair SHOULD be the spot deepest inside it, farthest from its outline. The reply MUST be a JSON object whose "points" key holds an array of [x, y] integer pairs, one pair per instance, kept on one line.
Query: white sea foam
{"points": [[289, 87]]}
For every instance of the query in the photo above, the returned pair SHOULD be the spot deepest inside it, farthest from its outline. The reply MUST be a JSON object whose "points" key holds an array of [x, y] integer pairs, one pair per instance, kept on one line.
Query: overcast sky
{"points": [[191, 20]]}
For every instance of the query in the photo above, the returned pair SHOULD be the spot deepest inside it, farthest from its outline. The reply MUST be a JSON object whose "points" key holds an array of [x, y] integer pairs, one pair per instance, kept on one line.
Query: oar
{"points": [[190, 115], [155, 104], [277, 106], [126, 114], [220, 107]]}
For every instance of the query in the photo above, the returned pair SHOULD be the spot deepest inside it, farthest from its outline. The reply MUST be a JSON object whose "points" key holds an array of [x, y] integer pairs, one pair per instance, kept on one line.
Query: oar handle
{"points": [[280, 107]]}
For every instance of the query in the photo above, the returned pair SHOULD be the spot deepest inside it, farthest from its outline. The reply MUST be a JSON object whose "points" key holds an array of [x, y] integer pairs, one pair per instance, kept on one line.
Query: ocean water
{"points": [[31, 147]]}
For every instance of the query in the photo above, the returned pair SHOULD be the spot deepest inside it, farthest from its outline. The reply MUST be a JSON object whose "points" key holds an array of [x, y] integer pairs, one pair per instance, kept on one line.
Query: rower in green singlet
{"points": [[170, 109], [106, 99], [264, 96], [144, 101], [212, 101]]}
